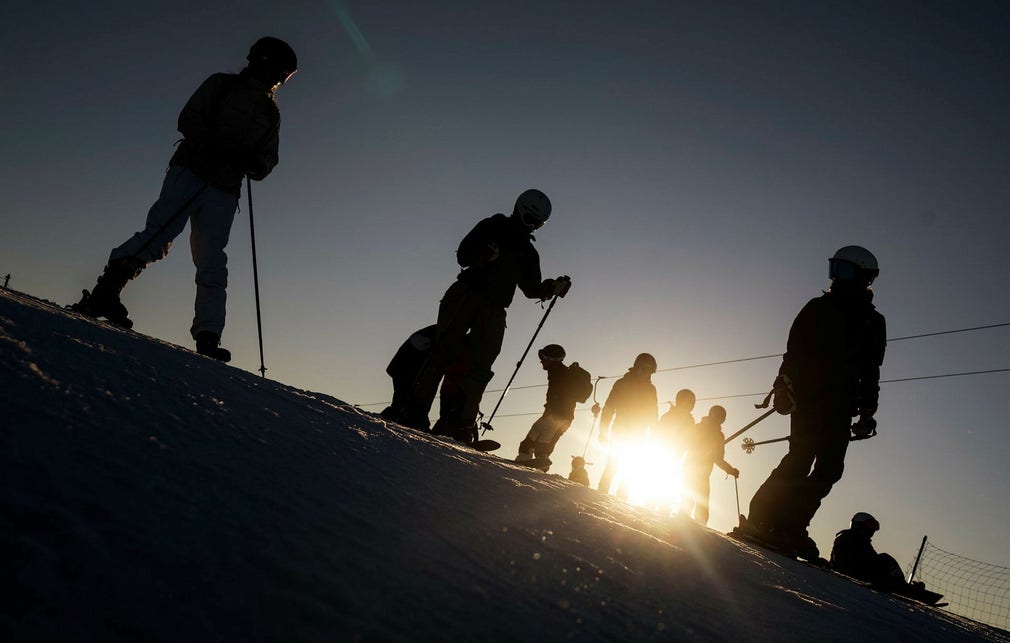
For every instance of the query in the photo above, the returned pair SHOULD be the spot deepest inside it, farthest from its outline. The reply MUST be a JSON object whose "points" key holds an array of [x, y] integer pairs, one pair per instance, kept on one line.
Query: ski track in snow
{"points": [[152, 494]]}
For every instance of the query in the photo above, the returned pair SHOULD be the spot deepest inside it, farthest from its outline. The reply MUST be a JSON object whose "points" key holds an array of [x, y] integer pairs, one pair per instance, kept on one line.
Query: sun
{"points": [[649, 473]]}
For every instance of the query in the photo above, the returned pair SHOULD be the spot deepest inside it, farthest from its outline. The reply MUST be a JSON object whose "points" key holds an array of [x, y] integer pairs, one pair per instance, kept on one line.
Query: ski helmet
{"points": [[552, 353], [853, 262], [717, 414], [533, 208], [276, 52], [863, 520], [646, 361], [685, 397]]}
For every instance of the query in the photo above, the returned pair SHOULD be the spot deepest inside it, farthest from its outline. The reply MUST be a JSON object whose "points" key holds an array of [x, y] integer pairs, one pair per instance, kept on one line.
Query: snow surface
{"points": [[152, 494]]}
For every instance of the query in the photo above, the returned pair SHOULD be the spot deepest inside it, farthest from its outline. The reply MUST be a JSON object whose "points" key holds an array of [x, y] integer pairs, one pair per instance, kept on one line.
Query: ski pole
{"points": [[749, 445], [596, 416], [749, 426], [256, 279], [487, 425], [736, 487]]}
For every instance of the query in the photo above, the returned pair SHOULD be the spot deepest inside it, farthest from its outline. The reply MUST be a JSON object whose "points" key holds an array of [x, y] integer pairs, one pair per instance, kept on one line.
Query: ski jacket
{"points": [[231, 127], [705, 446], [853, 554], [496, 257], [631, 405], [561, 394], [674, 428], [833, 356]]}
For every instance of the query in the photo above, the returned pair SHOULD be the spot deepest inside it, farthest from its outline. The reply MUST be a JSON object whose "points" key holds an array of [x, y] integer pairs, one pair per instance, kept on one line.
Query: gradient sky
{"points": [[704, 160]]}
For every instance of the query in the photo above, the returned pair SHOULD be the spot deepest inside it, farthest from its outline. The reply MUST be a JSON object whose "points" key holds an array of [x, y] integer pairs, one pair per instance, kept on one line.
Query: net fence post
{"points": [[918, 557]]}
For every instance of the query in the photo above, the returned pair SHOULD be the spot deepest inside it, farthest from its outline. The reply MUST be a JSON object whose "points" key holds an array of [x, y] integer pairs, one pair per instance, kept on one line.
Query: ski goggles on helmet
{"points": [[846, 270]]}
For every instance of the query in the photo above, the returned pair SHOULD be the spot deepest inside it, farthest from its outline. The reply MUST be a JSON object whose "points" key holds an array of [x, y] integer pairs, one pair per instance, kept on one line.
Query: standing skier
{"points": [[496, 257], [231, 130], [830, 373], [566, 387], [628, 414], [705, 448]]}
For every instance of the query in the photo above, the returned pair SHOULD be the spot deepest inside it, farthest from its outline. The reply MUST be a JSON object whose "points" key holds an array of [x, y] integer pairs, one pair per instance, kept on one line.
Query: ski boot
{"points": [[207, 345], [103, 299]]}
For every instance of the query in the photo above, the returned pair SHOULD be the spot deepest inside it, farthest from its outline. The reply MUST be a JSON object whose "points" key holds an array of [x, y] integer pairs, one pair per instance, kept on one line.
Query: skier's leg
{"points": [[210, 228], [832, 445], [774, 498], [166, 218], [701, 508], [529, 444], [486, 335], [454, 313]]}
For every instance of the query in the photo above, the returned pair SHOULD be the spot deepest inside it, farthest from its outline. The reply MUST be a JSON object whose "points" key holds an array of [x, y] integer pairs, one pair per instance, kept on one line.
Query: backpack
{"points": [[580, 382]]}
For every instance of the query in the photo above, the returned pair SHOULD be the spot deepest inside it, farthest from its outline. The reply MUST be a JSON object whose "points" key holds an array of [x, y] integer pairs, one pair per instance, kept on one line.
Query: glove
{"points": [[733, 471], [488, 253], [562, 285], [784, 401], [865, 426]]}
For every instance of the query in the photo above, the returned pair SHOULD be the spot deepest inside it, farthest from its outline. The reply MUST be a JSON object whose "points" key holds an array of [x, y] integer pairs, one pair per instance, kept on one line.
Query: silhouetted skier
{"points": [[628, 414], [7, 280], [853, 554], [705, 448], [566, 387], [677, 423], [830, 373], [231, 128], [579, 473], [497, 256]]}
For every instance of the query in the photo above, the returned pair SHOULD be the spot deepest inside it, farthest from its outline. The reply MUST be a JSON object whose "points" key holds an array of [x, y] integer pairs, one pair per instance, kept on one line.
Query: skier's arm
{"points": [[869, 370], [264, 157], [530, 282]]}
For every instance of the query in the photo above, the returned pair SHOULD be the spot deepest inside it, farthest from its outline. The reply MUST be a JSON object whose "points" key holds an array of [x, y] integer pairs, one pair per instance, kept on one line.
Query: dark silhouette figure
{"points": [[628, 414], [496, 257], [7, 280], [705, 448], [830, 373], [579, 473], [566, 387], [853, 554], [231, 128]]}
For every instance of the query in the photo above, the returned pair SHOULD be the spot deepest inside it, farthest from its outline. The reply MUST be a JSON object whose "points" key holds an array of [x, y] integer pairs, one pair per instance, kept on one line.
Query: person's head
{"points": [[532, 209], [716, 415], [551, 355], [578, 463], [865, 523], [645, 363], [852, 268], [685, 399], [272, 61]]}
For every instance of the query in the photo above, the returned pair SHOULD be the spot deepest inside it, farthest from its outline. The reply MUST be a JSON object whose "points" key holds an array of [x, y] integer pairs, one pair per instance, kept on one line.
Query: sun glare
{"points": [[649, 474]]}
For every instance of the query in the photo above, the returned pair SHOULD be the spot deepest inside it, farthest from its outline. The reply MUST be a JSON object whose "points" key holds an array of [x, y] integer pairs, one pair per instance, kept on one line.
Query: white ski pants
{"points": [[210, 212]]}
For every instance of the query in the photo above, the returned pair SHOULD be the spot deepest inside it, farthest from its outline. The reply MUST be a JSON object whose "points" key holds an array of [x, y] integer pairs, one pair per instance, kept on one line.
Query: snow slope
{"points": [[152, 494]]}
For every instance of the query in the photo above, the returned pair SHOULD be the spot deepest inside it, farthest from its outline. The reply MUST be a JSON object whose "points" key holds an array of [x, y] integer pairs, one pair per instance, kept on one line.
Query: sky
{"points": [[241, 509], [704, 160]]}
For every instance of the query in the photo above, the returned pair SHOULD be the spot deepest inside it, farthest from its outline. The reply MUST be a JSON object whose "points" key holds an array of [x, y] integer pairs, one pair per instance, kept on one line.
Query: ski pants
{"points": [[544, 434], [466, 321], [210, 212], [792, 494], [695, 495]]}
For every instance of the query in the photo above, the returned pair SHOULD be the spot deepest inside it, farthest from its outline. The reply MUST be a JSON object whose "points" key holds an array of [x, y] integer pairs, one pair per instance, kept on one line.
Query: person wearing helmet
{"points": [[830, 373], [566, 387], [628, 414], [676, 423], [496, 256], [853, 554], [705, 448], [230, 129]]}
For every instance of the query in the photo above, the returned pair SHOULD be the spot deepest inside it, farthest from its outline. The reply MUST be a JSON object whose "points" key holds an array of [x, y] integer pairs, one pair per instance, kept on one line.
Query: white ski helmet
{"points": [[533, 208], [863, 520], [853, 262]]}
